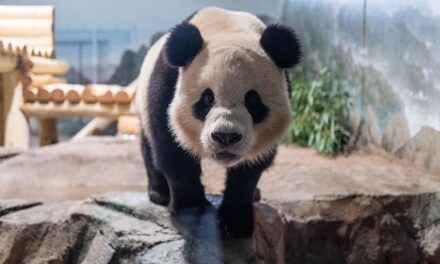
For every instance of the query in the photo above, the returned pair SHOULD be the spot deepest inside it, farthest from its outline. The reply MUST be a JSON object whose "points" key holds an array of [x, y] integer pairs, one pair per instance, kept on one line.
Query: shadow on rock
{"points": [[203, 240]]}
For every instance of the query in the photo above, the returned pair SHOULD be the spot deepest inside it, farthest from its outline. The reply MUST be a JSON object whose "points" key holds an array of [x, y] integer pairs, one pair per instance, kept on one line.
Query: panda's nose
{"points": [[226, 139]]}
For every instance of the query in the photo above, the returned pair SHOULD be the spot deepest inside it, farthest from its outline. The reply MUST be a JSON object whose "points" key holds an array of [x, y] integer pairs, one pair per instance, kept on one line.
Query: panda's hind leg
{"points": [[158, 189]]}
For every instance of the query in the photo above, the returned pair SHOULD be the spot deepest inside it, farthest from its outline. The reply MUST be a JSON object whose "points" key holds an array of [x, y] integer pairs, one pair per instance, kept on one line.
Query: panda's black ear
{"points": [[183, 44], [282, 45]]}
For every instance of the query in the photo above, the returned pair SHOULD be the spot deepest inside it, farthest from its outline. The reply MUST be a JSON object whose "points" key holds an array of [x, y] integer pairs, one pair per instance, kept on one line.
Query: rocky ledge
{"points": [[363, 208], [363, 229], [127, 228]]}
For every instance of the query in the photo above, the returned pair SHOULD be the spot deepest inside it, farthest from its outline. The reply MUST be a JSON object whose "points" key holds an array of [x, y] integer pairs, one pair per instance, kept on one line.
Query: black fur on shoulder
{"points": [[183, 44], [282, 45]]}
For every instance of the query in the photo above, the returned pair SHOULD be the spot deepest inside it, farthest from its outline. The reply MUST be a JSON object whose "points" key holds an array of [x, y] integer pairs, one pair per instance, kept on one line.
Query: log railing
{"points": [[31, 86]]}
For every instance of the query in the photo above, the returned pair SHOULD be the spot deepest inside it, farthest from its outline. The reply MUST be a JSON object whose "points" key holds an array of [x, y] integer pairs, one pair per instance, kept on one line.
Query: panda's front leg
{"points": [[236, 211], [182, 172]]}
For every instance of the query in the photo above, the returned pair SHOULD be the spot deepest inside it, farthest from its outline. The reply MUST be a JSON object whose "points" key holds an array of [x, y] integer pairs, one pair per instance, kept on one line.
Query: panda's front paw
{"points": [[236, 222], [159, 198], [178, 206]]}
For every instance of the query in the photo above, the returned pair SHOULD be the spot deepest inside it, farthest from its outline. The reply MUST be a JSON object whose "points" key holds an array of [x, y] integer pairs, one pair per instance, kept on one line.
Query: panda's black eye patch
{"points": [[257, 109], [201, 108]]}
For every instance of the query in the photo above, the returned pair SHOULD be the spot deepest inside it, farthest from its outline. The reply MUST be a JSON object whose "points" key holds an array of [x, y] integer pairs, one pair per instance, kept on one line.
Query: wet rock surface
{"points": [[127, 228]]}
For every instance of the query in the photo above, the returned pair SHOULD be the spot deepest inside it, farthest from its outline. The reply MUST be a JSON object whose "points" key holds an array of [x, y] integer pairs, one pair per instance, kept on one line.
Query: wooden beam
{"points": [[49, 66], [8, 63], [72, 92], [36, 41], [27, 11], [39, 80], [129, 125], [51, 110], [43, 96], [16, 127], [47, 131], [2, 112], [26, 27], [30, 94], [96, 126]]}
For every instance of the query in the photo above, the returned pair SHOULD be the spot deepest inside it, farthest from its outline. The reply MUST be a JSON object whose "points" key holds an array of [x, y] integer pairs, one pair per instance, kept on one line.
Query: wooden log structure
{"points": [[39, 80], [25, 27], [104, 94], [20, 11], [30, 94], [96, 126], [14, 127], [129, 125], [47, 131], [49, 66], [81, 109], [27, 30], [8, 63]]}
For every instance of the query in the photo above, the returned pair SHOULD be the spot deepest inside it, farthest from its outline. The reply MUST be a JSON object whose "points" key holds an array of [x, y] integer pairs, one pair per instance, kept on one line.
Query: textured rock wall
{"points": [[364, 229], [127, 228]]}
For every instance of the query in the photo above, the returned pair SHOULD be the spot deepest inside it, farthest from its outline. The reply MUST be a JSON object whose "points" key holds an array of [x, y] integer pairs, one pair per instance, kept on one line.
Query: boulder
{"points": [[364, 229], [365, 131], [351, 124], [423, 149], [396, 134], [127, 228]]}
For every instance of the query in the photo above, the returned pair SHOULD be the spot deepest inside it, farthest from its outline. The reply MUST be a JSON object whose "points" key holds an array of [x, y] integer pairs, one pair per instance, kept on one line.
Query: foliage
{"points": [[319, 108]]}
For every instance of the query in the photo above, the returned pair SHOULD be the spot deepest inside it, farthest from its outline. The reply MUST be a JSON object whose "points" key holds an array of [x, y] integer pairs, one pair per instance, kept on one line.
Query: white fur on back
{"points": [[147, 68]]}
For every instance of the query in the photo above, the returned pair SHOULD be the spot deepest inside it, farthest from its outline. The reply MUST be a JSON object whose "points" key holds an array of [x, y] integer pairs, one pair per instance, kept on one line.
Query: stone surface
{"points": [[6, 152], [74, 170], [423, 149], [396, 134], [126, 228], [364, 229], [352, 124], [361, 208], [366, 133]]}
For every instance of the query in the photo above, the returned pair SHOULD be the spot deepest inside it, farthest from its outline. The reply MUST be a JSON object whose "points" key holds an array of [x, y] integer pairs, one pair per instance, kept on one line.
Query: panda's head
{"points": [[231, 102]]}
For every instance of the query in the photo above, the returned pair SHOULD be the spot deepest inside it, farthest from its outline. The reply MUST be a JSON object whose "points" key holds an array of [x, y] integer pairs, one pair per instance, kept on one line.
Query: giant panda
{"points": [[215, 87]]}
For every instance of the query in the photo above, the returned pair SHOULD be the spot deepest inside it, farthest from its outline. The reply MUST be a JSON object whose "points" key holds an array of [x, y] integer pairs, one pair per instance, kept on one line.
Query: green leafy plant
{"points": [[319, 107]]}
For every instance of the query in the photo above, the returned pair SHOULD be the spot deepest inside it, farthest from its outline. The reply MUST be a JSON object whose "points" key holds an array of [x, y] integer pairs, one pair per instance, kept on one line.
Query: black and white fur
{"points": [[215, 87]]}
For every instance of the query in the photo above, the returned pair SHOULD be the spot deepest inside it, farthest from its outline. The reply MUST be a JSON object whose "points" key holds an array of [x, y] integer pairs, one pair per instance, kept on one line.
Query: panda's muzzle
{"points": [[226, 139], [225, 156]]}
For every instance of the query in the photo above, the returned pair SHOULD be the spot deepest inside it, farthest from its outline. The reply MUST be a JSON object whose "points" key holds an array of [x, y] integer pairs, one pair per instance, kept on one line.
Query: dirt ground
{"points": [[75, 170]]}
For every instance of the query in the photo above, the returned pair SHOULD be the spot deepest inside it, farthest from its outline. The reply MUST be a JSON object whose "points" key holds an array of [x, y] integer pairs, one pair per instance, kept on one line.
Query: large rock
{"points": [[365, 132], [360, 208], [6, 152], [423, 149], [364, 229], [396, 134], [127, 228]]}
